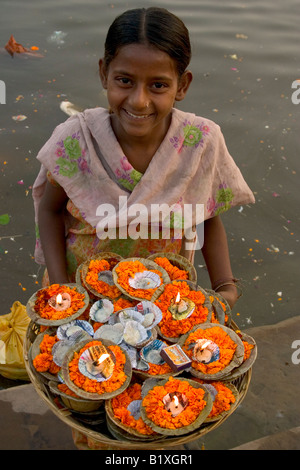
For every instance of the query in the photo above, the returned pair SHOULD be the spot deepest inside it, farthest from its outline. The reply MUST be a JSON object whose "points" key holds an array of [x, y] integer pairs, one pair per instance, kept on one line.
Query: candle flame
{"points": [[176, 401], [205, 344], [102, 358], [178, 298], [59, 299]]}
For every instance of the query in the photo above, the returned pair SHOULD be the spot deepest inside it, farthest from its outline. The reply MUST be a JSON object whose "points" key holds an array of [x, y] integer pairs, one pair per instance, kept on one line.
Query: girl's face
{"points": [[142, 85]]}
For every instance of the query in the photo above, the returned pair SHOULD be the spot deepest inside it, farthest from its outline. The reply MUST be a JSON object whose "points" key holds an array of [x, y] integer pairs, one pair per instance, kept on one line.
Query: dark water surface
{"points": [[245, 59]]}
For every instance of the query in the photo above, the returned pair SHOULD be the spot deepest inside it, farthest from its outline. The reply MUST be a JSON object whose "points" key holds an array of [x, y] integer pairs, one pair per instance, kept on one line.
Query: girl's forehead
{"points": [[142, 57]]}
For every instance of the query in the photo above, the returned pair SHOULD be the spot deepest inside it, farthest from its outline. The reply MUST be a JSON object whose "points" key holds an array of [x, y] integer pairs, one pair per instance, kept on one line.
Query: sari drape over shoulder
{"points": [[113, 207]]}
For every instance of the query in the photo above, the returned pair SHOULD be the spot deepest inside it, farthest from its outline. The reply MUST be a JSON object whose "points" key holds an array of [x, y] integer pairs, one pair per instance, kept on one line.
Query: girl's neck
{"points": [[139, 150]]}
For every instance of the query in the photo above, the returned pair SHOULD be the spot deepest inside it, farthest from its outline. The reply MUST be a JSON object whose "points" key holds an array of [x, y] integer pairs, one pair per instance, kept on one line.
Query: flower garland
{"points": [[43, 362], [157, 413], [126, 270], [113, 383], [119, 406], [174, 272], [226, 345], [45, 310], [173, 328], [95, 267]]}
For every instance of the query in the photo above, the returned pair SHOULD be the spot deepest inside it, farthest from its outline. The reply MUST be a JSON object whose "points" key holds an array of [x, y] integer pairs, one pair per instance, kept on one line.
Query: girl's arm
{"points": [[52, 232], [216, 255]]}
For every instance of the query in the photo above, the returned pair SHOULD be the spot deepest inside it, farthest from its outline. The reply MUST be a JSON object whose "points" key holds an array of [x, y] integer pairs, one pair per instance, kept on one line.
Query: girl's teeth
{"points": [[135, 116]]}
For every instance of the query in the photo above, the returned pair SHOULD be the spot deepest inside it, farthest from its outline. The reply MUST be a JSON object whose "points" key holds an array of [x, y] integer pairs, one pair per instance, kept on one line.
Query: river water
{"points": [[245, 59]]}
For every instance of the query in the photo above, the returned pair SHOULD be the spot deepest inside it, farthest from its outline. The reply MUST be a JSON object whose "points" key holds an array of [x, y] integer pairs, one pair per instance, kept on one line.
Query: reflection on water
{"points": [[245, 58]]}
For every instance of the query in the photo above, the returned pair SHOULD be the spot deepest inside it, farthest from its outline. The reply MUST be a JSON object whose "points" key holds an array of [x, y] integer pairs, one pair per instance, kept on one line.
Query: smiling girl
{"points": [[142, 148]]}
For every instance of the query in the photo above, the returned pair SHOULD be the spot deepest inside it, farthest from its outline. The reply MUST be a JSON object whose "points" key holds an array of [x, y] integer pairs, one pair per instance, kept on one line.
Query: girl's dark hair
{"points": [[154, 26]]}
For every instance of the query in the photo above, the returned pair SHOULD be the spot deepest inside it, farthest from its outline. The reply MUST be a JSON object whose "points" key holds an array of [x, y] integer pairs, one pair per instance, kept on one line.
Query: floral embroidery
{"points": [[70, 157], [66, 167], [192, 136], [72, 147], [127, 175], [222, 202]]}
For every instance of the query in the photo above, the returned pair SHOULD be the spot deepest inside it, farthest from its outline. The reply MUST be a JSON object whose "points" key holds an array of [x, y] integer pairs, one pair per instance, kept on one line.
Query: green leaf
{"points": [[4, 219]]}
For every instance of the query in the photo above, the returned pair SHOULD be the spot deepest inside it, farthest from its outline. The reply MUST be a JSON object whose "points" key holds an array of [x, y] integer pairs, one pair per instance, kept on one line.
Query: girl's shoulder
{"points": [[190, 120], [78, 121]]}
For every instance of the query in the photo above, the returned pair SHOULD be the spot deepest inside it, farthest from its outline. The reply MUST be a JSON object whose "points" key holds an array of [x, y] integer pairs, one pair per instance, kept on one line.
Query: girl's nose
{"points": [[139, 98]]}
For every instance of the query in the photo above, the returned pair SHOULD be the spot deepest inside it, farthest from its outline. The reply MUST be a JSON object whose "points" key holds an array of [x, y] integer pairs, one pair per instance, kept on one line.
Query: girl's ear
{"points": [[103, 73], [184, 83]]}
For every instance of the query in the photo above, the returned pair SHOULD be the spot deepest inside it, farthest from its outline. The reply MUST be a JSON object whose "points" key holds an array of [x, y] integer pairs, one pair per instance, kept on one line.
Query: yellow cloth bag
{"points": [[13, 328]]}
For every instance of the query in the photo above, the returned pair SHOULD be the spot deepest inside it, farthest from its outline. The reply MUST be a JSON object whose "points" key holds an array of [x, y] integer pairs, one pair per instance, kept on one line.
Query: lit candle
{"points": [[181, 308], [101, 362], [206, 351], [60, 302], [175, 403]]}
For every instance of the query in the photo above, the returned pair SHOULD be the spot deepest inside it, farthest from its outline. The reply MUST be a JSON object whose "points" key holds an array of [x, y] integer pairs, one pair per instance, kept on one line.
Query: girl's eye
{"points": [[159, 85], [124, 81]]}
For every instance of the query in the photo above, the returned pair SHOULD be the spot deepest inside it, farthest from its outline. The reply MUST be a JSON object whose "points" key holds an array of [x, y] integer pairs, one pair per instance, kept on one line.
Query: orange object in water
{"points": [[13, 47]]}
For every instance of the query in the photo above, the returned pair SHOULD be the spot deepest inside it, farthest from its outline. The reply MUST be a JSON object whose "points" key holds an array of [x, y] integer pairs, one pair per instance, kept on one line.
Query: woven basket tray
{"points": [[107, 438], [192, 286], [82, 271], [235, 362], [180, 262], [36, 318]]}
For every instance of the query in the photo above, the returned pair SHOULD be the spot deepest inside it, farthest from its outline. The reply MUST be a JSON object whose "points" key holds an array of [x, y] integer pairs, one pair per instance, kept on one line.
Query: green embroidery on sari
{"points": [[192, 135], [66, 167], [224, 199], [72, 148]]}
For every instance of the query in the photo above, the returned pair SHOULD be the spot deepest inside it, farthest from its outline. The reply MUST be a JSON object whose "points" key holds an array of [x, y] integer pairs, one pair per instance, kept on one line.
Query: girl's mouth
{"points": [[136, 116]]}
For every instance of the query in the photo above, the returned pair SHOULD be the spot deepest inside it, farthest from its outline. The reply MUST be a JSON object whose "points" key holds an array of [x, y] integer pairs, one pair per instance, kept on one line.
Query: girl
{"points": [[142, 151]]}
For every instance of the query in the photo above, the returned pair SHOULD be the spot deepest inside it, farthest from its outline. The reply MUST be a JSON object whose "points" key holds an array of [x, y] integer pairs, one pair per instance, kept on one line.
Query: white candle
{"points": [[60, 302], [175, 403]]}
